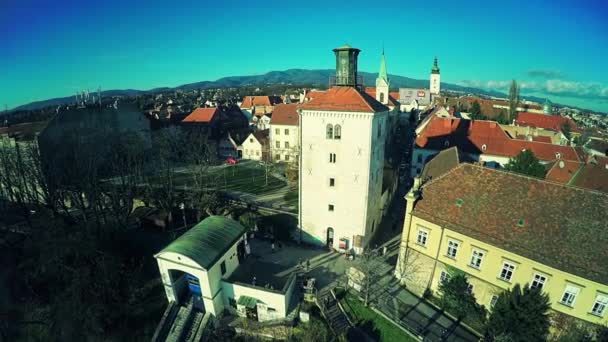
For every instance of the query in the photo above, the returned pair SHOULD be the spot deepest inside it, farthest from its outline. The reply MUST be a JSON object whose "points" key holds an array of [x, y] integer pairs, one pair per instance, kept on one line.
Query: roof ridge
{"points": [[460, 165], [536, 179]]}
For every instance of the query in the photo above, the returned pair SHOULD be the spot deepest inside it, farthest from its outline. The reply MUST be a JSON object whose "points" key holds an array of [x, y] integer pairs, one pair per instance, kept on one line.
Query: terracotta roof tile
{"points": [[345, 99], [201, 115], [562, 171], [285, 114], [557, 225], [485, 137], [594, 175], [443, 162], [552, 122], [251, 101]]}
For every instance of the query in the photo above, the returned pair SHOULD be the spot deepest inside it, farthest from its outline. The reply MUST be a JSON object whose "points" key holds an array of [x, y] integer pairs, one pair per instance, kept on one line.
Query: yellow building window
{"points": [[569, 296], [599, 307], [452, 249], [422, 237], [506, 273], [493, 300], [538, 282], [476, 259]]}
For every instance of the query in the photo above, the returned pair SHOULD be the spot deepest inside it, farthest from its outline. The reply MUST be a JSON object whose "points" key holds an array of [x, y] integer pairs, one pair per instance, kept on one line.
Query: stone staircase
{"points": [[336, 318]]}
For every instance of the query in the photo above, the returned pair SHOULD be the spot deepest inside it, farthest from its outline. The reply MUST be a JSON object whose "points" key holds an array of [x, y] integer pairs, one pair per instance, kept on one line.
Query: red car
{"points": [[232, 161]]}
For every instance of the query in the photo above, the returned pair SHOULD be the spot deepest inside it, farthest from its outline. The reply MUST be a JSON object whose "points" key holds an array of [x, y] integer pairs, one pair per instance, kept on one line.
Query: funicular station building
{"points": [[207, 270]]}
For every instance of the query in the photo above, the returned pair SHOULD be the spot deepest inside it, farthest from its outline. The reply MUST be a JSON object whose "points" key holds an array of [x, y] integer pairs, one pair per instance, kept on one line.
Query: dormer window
{"points": [[484, 147], [558, 155]]}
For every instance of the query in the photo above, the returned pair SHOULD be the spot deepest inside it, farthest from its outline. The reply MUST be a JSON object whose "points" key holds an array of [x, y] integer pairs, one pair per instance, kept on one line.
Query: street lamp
{"points": [[182, 206]]}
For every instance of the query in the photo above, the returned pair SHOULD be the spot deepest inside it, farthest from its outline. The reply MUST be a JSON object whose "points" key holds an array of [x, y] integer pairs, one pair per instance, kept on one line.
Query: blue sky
{"points": [[556, 49]]}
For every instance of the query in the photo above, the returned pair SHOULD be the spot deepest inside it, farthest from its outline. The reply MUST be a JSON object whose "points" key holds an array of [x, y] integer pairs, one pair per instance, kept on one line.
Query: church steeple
{"points": [[382, 82], [435, 69], [383, 74]]}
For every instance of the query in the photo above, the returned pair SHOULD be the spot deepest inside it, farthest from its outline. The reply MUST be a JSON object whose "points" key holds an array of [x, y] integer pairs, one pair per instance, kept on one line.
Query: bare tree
{"points": [[126, 166], [367, 274], [160, 186]]}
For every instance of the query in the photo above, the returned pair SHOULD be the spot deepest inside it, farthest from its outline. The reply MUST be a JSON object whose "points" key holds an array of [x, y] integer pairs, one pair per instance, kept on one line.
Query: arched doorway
{"points": [[187, 286], [330, 237]]}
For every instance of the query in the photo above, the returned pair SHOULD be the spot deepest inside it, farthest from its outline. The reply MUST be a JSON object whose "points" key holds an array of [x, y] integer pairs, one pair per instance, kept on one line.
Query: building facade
{"points": [[284, 133], [502, 229], [343, 137], [255, 146]]}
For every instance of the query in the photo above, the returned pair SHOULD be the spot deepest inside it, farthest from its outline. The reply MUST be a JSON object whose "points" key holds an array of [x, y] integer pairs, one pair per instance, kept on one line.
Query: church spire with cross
{"points": [[382, 82]]}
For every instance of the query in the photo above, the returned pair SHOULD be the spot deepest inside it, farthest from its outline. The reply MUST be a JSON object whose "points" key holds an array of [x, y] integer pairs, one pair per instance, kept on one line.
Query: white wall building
{"points": [[202, 264], [284, 133], [343, 137], [255, 146]]}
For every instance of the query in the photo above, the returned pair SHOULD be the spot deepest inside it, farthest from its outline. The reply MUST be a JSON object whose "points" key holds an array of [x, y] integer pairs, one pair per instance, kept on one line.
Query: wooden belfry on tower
{"points": [[346, 68]]}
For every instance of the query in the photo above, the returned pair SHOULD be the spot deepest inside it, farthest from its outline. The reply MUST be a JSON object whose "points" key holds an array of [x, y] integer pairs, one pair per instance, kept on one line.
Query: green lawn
{"points": [[360, 314], [250, 179]]}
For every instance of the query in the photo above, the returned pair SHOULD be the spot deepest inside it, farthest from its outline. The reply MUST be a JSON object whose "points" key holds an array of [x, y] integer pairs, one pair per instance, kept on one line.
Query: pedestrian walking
{"points": [[384, 249], [272, 247], [254, 279], [307, 264]]}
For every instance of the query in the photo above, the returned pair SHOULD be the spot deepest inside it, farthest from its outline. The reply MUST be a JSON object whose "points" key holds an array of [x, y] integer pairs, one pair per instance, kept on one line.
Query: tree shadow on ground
{"points": [[370, 329]]}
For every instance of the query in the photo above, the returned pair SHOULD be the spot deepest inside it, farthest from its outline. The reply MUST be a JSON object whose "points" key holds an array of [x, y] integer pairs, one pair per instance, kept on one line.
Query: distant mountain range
{"points": [[291, 76]]}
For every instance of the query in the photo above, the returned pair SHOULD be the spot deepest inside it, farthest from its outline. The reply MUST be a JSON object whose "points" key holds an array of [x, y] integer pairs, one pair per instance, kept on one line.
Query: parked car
{"points": [[232, 161]]}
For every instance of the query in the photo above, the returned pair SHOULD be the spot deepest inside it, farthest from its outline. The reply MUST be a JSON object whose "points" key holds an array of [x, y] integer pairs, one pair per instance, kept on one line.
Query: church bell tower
{"points": [[435, 86]]}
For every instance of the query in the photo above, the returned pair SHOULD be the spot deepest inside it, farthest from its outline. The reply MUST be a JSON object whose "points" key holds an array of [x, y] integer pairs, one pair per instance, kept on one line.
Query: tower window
{"points": [[332, 158], [329, 131], [337, 132], [332, 182], [330, 207], [381, 97]]}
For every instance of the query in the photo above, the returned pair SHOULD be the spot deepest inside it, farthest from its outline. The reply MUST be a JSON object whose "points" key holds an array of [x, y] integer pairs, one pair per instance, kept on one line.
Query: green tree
{"points": [[476, 111], [456, 298], [520, 314], [567, 130], [513, 100], [526, 163]]}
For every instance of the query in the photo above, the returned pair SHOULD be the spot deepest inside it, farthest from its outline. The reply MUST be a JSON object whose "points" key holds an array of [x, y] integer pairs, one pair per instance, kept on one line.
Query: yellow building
{"points": [[502, 229]]}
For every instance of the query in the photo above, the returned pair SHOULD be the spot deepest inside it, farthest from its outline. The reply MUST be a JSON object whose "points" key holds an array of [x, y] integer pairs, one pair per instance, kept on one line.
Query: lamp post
{"points": [[182, 206]]}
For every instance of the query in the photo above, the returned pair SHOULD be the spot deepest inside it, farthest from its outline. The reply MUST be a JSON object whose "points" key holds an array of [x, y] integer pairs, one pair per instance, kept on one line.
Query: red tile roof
{"points": [[485, 137], [285, 114], [562, 171], [557, 225], [552, 122], [371, 91], [345, 99], [201, 115], [252, 101], [594, 175]]}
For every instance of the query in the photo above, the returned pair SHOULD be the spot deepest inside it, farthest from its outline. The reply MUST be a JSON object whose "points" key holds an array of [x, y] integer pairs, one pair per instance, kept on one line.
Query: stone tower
{"points": [[382, 82], [435, 86]]}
